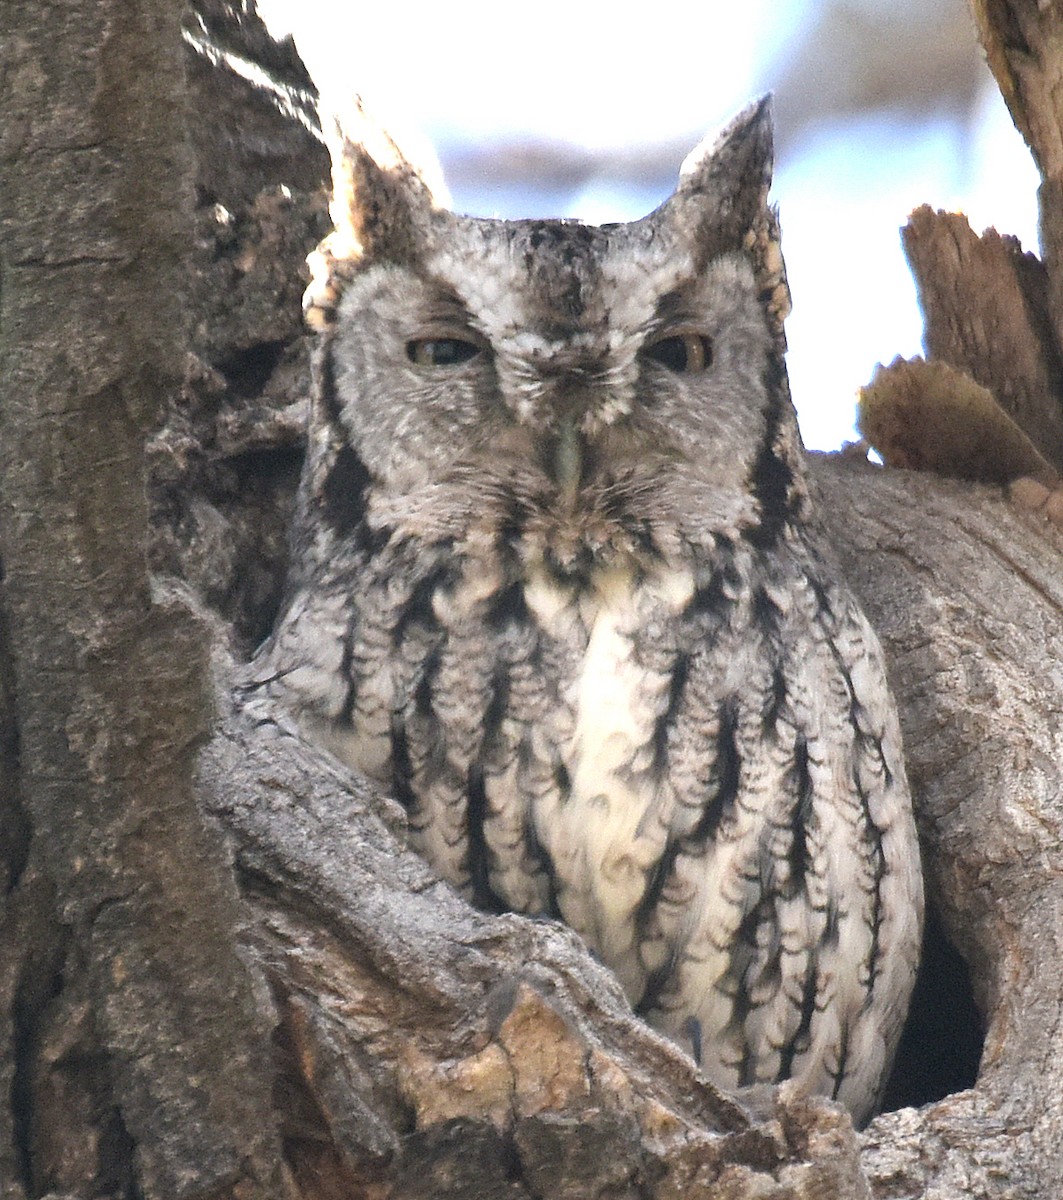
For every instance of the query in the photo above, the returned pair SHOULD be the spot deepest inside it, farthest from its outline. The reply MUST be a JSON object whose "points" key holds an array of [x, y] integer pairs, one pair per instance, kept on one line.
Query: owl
{"points": [[556, 586]]}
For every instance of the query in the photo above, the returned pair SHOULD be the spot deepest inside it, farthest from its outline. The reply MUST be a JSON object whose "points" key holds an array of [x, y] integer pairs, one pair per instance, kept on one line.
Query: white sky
{"points": [[465, 73]]}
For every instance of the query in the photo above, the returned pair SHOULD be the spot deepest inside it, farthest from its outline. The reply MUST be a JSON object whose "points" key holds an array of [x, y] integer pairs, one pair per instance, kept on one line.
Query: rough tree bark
{"points": [[121, 922], [221, 975]]}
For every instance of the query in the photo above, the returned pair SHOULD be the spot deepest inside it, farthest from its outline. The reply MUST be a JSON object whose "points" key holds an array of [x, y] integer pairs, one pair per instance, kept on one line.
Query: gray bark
{"points": [[221, 973], [966, 592]]}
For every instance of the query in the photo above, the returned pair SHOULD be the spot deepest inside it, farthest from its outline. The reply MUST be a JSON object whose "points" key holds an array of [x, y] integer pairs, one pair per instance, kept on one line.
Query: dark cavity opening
{"points": [[255, 492], [248, 371], [941, 1045]]}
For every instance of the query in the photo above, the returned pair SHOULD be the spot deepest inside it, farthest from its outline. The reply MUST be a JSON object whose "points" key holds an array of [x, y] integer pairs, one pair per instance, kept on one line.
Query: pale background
{"points": [[556, 108]]}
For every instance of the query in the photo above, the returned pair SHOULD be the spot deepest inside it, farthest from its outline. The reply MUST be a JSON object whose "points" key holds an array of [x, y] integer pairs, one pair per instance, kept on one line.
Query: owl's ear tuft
{"points": [[382, 207], [740, 152], [721, 205], [381, 203], [723, 184]]}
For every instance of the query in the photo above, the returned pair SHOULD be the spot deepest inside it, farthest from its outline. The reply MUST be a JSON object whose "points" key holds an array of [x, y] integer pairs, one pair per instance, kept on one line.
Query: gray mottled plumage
{"points": [[555, 586]]}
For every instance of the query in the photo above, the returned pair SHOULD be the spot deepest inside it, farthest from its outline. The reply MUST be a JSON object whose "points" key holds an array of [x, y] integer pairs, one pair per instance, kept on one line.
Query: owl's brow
{"points": [[444, 305], [673, 308]]}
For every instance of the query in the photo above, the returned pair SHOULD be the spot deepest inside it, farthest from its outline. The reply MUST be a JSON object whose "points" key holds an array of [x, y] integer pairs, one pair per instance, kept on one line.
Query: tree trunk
{"points": [[221, 973], [122, 918]]}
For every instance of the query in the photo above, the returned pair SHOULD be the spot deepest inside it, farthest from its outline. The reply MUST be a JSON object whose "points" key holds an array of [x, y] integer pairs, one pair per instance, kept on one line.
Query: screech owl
{"points": [[556, 586]]}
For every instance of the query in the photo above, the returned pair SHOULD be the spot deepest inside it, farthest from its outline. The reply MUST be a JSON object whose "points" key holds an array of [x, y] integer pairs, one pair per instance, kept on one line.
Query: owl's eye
{"points": [[440, 352], [683, 353]]}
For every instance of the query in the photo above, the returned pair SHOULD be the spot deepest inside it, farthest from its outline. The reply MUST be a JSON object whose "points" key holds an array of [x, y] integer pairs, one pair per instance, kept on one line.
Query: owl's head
{"points": [[593, 377]]}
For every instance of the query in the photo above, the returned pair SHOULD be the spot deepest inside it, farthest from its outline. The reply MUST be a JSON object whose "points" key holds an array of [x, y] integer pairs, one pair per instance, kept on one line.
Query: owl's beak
{"points": [[568, 460]]}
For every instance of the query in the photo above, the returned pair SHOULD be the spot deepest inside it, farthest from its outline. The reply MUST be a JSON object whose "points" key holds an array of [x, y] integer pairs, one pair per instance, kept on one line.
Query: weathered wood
{"points": [[1023, 41], [987, 309], [985, 313]]}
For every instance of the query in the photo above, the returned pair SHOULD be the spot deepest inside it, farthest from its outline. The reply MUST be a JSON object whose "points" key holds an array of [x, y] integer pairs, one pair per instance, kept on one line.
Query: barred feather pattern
{"points": [[690, 757], [556, 585]]}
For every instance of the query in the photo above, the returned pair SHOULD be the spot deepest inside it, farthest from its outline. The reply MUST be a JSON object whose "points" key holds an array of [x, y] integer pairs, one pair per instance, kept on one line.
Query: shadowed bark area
{"points": [[221, 974]]}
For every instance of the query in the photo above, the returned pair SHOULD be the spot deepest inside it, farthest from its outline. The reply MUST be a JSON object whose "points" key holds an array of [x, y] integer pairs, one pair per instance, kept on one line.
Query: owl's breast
{"points": [[614, 649], [696, 765]]}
